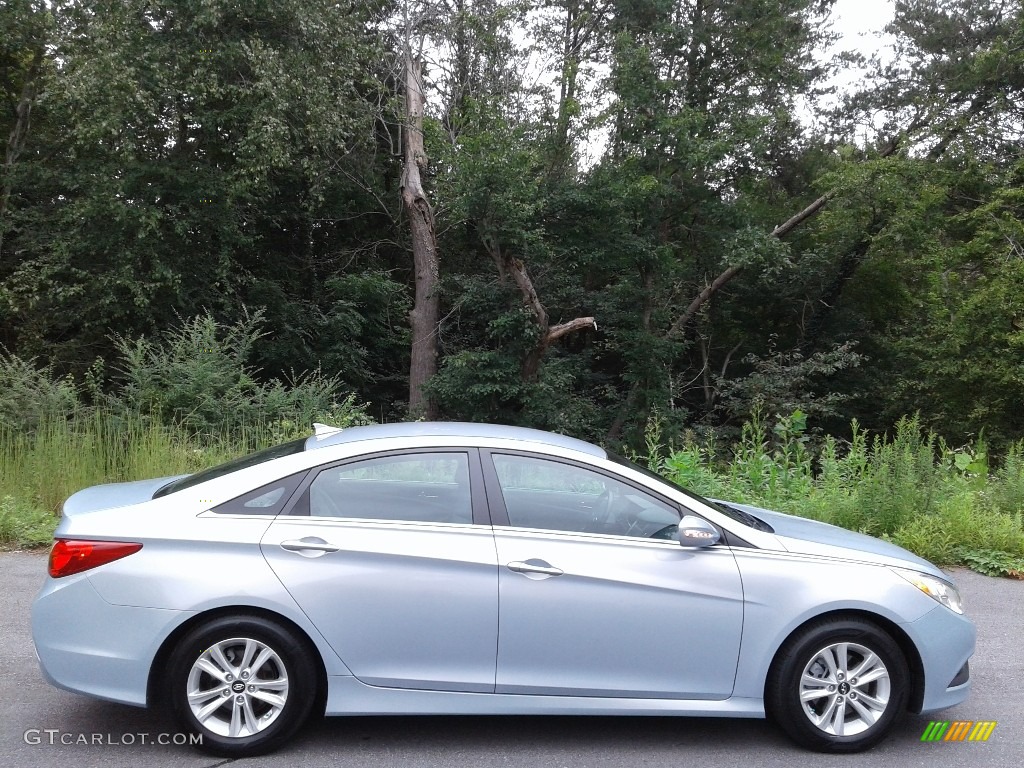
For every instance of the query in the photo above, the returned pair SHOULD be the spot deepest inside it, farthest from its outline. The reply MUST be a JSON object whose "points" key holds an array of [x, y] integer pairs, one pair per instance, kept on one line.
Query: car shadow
{"points": [[544, 734], [590, 740], [391, 738]]}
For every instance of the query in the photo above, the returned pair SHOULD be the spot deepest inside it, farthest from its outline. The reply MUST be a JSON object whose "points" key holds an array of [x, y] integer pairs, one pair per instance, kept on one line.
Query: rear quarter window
{"points": [[268, 499]]}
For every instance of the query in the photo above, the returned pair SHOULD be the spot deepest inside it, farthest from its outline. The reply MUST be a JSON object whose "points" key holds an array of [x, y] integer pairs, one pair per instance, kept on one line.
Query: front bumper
{"points": [[945, 640], [86, 645]]}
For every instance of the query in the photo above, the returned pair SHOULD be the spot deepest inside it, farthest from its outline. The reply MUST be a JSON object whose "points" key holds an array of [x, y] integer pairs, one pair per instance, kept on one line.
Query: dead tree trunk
{"points": [[423, 318], [548, 334]]}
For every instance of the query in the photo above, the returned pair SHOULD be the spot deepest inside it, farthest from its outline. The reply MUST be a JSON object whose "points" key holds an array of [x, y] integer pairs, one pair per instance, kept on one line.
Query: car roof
{"points": [[468, 430]]}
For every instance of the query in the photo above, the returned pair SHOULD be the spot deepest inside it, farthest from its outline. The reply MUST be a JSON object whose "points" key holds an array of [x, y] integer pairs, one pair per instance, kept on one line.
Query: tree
{"points": [[572, 35], [24, 25], [637, 165], [492, 182], [423, 318], [188, 157], [922, 278], [702, 122]]}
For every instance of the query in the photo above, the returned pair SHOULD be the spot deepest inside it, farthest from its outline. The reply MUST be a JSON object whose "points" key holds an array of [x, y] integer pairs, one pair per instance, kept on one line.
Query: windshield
{"points": [[267, 454], [733, 513]]}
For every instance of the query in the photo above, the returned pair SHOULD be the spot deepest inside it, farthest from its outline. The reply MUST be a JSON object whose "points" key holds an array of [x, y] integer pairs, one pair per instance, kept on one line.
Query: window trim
{"points": [[298, 505], [499, 512]]}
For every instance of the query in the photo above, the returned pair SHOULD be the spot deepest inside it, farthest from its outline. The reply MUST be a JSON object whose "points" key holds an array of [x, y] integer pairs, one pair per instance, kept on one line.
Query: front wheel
{"points": [[838, 686], [244, 684]]}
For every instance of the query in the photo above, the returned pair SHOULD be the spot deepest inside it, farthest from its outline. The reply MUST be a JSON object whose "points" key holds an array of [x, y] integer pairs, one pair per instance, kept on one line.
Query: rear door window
{"points": [[414, 487]]}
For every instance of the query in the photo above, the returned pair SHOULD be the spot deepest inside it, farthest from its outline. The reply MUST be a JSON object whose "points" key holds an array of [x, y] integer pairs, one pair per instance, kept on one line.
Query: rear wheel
{"points": [[245, 684], [838, 686]]}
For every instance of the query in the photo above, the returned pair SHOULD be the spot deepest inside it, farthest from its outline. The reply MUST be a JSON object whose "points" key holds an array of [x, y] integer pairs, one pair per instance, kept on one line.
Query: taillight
{"points": [[70, 556]]}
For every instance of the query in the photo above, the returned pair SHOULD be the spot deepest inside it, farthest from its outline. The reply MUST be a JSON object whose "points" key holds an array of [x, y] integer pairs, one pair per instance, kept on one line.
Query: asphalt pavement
{"points": [[43, 726]]}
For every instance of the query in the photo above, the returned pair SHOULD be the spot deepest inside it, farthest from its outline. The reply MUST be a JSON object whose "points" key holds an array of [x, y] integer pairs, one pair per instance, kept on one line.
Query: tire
{"points": [[863, 689], [260, 674]]}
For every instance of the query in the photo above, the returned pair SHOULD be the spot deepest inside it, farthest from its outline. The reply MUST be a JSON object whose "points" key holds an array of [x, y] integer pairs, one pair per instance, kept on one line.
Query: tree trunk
{"points": [[423, 318], [567, 82], [18, 136], [548, 334]]}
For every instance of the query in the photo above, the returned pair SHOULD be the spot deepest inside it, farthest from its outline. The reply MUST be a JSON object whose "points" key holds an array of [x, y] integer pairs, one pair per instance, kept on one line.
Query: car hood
{"points": [[113, 495], [810, 537]]}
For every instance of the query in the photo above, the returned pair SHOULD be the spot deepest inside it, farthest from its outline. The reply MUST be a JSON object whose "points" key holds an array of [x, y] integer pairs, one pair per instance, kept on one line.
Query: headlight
{"points": [[937, 589]]}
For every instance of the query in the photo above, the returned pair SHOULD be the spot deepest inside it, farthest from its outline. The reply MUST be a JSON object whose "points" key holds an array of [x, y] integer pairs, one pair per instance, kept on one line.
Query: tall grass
{"points": [[42, 467], [173, 404], [908, 487]]}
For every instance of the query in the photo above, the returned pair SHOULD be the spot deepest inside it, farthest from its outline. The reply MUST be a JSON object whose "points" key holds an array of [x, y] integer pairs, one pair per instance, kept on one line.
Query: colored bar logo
{"points": [[958, 730]]}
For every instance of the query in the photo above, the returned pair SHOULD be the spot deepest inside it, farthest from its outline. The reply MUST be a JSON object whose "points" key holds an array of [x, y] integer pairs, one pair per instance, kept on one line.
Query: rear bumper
{"points": [[77, 651]]}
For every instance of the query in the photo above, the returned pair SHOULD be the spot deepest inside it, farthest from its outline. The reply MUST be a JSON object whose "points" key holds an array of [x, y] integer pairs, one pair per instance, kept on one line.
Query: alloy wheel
{"points": [[844, 689], [237, 687]]}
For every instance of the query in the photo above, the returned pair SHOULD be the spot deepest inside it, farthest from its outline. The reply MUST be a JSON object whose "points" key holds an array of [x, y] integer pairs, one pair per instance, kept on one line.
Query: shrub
{"points": [[1006, 490], [197, 376], [185, 400], [994, 562], [944, 505], [24, 525], [28, 392]]}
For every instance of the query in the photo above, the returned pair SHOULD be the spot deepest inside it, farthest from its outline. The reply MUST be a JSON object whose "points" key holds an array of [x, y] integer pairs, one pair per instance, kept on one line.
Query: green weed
{"points": [[942, 504]]}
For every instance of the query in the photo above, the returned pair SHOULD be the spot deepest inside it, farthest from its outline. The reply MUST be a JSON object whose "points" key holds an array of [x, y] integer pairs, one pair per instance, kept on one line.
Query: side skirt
{"points": [[348, 696]]}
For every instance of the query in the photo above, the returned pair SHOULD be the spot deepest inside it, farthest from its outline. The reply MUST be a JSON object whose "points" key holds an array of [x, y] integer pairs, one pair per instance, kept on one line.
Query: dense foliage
{"points": [[640, 206]]}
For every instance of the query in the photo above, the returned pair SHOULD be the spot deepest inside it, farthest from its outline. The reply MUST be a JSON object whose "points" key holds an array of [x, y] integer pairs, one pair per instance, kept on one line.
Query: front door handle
{"points": [[534, 566], [309, 546]]}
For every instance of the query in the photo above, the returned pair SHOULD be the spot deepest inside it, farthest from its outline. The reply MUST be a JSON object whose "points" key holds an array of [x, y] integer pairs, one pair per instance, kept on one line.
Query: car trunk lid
{"points": [[113, 495]]}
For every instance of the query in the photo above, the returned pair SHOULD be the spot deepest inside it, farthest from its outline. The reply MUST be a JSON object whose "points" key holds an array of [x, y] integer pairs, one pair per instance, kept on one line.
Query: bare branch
{"points": [[558, 331], [795, 221], [728, 357], [510, 265], [779, 232], [710, 290]]}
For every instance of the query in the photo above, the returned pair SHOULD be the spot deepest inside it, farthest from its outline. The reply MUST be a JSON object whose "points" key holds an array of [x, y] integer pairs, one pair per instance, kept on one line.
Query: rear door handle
{"points": [[309, 546], [534, 566]]}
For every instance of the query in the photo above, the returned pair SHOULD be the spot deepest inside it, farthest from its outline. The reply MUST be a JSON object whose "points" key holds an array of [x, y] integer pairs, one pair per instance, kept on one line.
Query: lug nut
{"points": [[252, 689], [240, 699], [245, 675]]}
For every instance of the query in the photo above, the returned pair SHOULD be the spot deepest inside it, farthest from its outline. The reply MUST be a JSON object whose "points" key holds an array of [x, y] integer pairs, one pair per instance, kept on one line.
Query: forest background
{"points": [[648, 223]]}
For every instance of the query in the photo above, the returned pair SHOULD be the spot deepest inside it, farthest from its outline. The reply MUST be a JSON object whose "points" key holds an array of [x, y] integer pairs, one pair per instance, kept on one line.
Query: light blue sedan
{"points": [[480, 569]]}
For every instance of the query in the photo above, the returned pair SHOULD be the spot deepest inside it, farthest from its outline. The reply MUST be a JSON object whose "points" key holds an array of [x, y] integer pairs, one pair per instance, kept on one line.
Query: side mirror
{"points": [[697, 532]]}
